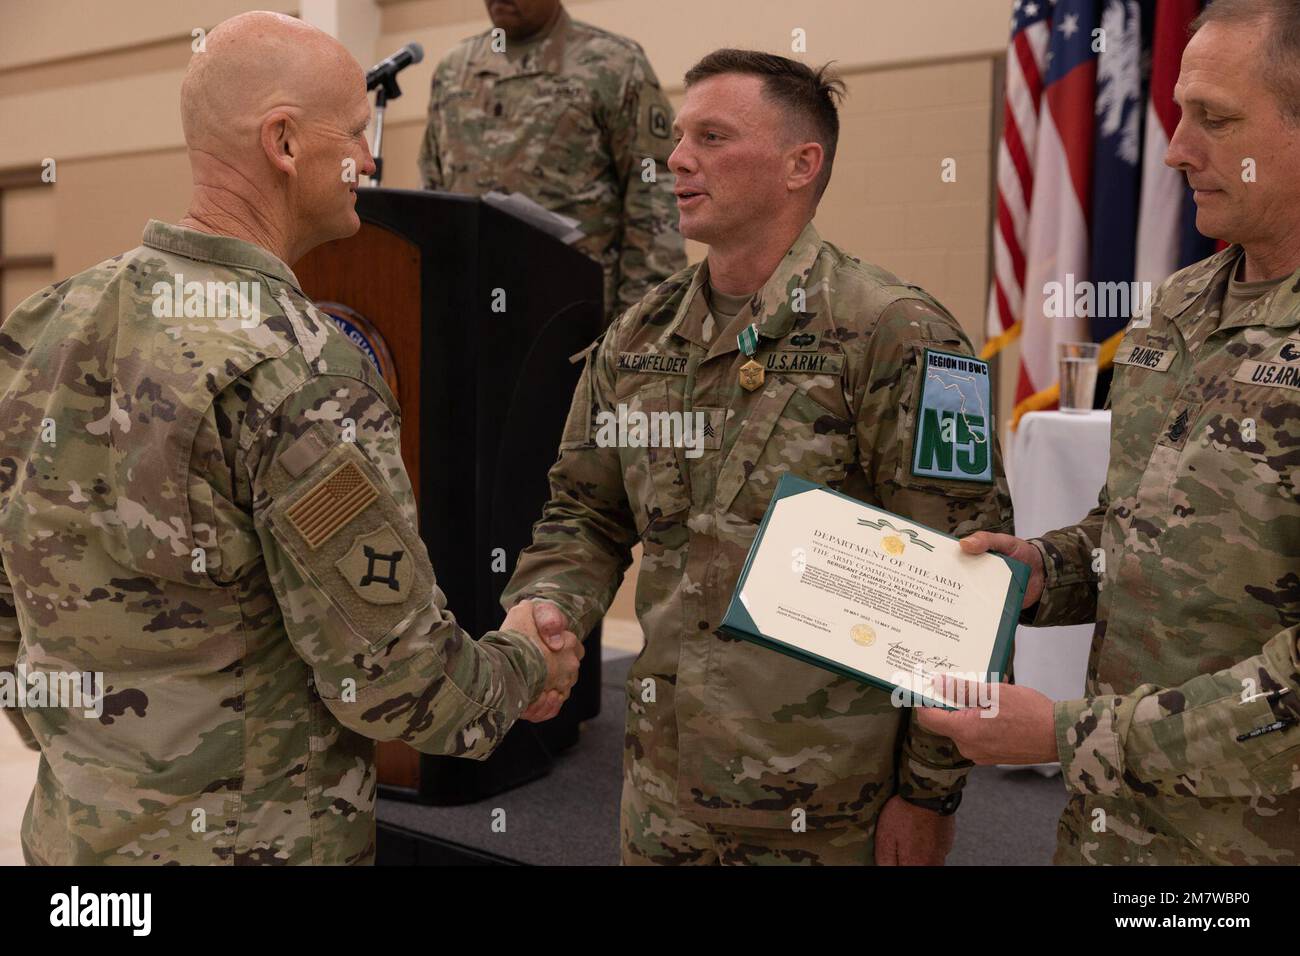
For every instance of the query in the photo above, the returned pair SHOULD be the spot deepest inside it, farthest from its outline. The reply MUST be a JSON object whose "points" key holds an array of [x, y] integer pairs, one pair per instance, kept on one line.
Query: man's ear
{"points": [[803, 165], [280, 142]]}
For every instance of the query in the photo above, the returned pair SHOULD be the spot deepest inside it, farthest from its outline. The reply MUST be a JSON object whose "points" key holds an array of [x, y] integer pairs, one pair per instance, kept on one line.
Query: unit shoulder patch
{"points": [[352, 545], [377, 566], [659, 125], [952, 439]]}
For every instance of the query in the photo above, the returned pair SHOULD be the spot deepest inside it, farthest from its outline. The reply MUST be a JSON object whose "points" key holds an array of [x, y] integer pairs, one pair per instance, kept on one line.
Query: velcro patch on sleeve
{"points": [[953, 437], [331, 503], [354, 545], [378, 567]]}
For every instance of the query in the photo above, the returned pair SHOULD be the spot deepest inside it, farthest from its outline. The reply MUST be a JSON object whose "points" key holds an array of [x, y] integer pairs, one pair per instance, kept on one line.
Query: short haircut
{"points": [[808, 96], [1281, 50]]}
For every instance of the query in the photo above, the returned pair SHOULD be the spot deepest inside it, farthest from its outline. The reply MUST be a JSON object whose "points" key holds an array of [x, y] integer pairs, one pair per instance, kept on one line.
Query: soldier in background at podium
{"points": [[572, 117], [203, 501], [799, 358]]}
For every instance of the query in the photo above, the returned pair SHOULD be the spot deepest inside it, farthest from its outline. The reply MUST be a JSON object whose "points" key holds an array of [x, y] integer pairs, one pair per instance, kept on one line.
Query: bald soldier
{"points": [[1186, 745], [572, 117], [204, 506], [799, 359]]}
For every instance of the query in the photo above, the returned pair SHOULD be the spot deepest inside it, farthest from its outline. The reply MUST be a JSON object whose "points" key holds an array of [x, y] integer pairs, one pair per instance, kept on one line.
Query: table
{"points": [[1056, 466]]}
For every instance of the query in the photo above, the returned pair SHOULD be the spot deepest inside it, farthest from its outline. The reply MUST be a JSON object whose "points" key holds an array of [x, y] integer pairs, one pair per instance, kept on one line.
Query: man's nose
{"points": [[680, 159], [368, 164], [1181, 153]]}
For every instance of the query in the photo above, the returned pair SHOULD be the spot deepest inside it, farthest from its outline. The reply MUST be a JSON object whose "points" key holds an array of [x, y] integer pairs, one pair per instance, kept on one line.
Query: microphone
{"points": [[411, 53]]}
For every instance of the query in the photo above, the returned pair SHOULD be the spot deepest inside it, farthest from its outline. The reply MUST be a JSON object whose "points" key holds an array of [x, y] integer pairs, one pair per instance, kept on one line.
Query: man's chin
{"points": [[1214, 225], [696, 229], [352, 221]]}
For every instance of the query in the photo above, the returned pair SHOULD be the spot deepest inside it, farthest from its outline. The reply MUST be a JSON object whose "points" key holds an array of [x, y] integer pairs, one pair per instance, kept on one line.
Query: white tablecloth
{"points": [[1056, 465]]}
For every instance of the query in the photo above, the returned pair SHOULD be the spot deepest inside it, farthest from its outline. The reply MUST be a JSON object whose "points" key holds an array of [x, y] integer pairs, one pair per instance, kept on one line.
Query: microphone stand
{"points": [[385, 91]]}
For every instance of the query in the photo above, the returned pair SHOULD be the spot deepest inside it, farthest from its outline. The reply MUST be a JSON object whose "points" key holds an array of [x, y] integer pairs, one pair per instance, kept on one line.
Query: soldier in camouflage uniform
{"points": [[572, 117], [1186, 748], [202, 497], [735, 753]]}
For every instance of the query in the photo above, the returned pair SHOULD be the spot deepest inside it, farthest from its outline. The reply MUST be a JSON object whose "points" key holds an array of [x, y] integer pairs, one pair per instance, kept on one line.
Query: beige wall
{"points": [[94, 86]]}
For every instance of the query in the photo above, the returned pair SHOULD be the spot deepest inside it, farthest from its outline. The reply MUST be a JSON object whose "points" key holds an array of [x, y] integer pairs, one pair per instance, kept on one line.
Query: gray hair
{"points": [[1281, 49]]}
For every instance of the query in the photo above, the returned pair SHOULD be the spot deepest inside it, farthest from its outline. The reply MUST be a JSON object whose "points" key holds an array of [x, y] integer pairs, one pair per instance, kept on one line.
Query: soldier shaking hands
{"points": [[218, 520]]}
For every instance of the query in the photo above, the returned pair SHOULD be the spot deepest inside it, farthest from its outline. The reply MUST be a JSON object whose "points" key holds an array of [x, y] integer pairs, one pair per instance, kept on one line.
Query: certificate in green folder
{"points": [[873, 596]]}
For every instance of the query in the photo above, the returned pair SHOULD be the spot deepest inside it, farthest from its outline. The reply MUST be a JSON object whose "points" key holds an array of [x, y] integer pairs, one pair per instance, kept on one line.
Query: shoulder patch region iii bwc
{"points": [[953, 418]]}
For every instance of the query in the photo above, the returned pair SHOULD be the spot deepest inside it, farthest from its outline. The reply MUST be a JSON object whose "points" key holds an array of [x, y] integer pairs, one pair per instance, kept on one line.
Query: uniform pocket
{"points": [[652, 464], [786, 432]]}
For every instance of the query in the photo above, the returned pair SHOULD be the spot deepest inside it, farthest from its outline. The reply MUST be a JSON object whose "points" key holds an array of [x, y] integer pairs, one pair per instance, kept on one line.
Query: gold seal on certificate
{"points": [[872, 595], [863, 634]]}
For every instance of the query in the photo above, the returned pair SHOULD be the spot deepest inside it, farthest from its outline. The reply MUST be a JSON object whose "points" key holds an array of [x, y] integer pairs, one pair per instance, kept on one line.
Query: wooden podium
{"points": [[471, 315]]}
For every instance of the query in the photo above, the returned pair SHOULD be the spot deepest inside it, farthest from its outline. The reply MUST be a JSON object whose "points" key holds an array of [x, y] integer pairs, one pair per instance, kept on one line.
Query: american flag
{"points": [[1058, 249], [1077, 200], [1031, 23]]}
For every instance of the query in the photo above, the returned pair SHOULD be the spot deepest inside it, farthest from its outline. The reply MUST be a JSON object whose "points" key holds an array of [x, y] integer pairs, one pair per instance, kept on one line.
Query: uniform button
{"points": [[704, 625]]}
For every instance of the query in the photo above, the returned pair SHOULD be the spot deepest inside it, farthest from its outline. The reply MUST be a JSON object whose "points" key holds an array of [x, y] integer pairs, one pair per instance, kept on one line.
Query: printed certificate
{"points": [[867, 594]]}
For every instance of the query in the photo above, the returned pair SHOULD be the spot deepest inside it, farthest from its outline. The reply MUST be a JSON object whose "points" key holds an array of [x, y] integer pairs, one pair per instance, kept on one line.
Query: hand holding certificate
{"points": [[869, 595]]}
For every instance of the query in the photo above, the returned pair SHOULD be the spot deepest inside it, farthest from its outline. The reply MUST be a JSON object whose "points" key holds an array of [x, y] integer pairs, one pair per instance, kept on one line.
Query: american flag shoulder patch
{"points": [[331, 503]]}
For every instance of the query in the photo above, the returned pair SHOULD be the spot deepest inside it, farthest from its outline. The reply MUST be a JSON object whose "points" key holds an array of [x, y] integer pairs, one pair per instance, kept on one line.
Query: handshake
{"points": [[545, 624]]}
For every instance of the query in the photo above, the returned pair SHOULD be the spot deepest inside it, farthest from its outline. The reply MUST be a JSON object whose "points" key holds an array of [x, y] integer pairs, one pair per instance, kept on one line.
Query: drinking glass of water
{"points": [[1078, 375]]}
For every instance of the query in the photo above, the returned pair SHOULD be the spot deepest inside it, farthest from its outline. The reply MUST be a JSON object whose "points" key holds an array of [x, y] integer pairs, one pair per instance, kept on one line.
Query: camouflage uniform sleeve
{"points": [[10, 637], [930, 766], [1231, 734], [429, 161], [640, 128], [1069, 583], [337, 522], [582, 544]]}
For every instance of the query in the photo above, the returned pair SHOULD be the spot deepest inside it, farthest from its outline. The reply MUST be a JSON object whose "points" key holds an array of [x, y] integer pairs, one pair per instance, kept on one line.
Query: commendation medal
{"points": [[751, 373]]}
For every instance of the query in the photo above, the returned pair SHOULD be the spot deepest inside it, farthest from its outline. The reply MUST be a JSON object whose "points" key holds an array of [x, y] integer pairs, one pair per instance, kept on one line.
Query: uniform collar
{"points": [[1204, 275], [1275, 309], [546, 56], [223, 250], [769, 307]]}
